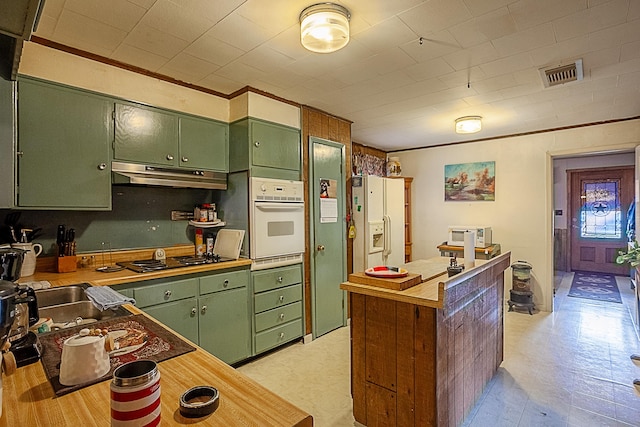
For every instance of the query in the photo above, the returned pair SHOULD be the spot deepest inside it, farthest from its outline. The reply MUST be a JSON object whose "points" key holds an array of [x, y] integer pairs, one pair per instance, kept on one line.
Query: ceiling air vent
{"points": [[563, 74]]}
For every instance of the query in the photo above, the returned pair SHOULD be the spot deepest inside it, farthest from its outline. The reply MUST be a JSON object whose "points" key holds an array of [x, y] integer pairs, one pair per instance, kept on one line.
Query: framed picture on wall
{"points": [[470, 182]]}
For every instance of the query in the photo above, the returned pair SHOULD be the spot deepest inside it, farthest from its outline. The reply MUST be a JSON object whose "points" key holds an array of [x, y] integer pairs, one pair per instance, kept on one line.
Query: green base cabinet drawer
{"points": [[224, 281], [181, 316], [278, 316], [277, 336], [165, 292], [276, 278], [277, 298]]}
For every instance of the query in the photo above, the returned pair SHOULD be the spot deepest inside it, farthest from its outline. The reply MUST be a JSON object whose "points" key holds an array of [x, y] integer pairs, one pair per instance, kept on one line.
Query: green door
{"points": [[224, 324], [328, 234], [63, 140], [181, 316], [275, 146], [204, 144], [145, 135]]}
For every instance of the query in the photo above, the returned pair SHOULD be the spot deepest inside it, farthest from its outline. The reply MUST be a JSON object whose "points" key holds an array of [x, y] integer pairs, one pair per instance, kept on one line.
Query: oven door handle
{"points": [[284, 206]]}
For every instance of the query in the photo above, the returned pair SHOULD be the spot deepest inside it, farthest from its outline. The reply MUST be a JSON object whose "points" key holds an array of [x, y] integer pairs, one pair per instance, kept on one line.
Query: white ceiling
{"points": [[478, 57]]}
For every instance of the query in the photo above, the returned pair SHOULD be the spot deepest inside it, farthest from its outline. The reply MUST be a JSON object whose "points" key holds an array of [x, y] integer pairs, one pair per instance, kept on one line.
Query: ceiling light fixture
{"points": [[324, 27], [468, 124]]}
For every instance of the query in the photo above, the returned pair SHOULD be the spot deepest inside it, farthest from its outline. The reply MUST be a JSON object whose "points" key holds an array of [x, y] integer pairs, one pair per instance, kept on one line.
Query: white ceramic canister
{"points": [[84, 359], [135, 394], [29, 262]]}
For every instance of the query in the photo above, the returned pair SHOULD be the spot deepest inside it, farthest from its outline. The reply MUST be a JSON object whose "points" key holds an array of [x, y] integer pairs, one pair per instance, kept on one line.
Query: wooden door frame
{"points": [[570, 229]]}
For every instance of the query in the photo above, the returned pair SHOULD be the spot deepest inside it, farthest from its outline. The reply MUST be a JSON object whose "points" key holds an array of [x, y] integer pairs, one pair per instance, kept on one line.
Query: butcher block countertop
{"points": [[431, 292], [46, 270], [28, 398]]}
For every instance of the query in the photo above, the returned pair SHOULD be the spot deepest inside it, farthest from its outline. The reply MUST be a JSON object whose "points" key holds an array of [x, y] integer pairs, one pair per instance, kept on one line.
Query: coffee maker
{"points": [[19, 310]]}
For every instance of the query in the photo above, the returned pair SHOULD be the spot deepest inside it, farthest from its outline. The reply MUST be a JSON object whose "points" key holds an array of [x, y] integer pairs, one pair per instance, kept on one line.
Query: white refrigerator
{"points": [[378, 216]]}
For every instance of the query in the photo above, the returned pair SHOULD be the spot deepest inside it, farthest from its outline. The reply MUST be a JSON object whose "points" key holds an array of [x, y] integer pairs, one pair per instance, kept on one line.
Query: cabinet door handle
{"points": [[280, 279], [194, 311], [281, 335], [281, 298], [203, 310], [167, 294], [169, 157], [102, 166], [226, 283], [281, 316], [257, 143], [320, 248], [185, 159]]}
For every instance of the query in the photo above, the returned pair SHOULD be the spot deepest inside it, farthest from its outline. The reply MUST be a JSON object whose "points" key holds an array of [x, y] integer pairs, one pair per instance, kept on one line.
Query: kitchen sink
{"points": [[68, 306], [61, 295]]}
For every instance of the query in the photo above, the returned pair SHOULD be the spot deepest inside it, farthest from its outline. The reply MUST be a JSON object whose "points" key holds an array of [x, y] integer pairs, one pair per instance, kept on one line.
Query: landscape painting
{"points": [[470, 181]]}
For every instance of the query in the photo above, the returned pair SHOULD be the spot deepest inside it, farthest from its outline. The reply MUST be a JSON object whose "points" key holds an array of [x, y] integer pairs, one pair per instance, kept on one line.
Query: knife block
{"points": [[66, 264]]}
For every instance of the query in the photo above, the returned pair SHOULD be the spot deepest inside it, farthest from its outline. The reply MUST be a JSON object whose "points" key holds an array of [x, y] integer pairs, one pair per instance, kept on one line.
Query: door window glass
{"points": [[601, 216]]}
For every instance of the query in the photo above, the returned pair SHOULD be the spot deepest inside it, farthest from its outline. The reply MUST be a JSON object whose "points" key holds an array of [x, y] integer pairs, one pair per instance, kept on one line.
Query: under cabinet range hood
{"points": [[137, 174]]}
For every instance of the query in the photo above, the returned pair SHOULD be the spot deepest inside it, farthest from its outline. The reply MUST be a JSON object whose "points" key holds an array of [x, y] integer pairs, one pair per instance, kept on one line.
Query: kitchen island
{"points": [[422, 356], [29, 399]]}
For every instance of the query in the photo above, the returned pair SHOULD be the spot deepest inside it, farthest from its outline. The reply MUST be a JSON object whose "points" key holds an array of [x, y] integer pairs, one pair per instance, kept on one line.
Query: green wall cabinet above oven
{"points": [[266, 149], [153, 136], [64, 137]]}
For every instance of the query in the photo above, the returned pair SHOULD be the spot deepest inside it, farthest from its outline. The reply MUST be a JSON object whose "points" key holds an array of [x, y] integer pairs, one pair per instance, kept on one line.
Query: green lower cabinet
{"points": [[278, 315], [209, 310], [224, 325], [181, 316]]}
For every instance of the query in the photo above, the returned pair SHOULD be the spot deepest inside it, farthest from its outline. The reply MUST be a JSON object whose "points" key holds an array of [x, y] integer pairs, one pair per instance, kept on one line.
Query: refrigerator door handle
{"points": [[387, 238]]}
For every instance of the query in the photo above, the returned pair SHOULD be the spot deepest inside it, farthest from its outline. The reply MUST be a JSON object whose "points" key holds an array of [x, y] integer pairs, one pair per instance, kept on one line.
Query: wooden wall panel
{"points": [[358, 380], [322, 125], [405, 371], [381, 342]]}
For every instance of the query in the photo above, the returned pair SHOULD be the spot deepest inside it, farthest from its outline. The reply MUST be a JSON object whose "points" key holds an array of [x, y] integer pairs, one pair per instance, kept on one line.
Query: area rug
{"points": [[595, 286], [160, 345]]}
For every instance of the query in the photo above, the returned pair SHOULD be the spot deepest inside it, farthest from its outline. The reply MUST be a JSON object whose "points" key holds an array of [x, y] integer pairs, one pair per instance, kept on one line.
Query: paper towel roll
{"points": [[469, 249]]}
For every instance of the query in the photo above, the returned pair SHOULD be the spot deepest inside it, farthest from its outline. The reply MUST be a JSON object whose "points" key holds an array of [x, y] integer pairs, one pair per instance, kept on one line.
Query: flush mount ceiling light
{"points": [[324, 27], [468, 124]]}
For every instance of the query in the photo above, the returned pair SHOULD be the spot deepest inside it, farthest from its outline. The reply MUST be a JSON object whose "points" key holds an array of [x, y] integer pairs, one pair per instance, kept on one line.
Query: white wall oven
{"points": [[276, 222]]}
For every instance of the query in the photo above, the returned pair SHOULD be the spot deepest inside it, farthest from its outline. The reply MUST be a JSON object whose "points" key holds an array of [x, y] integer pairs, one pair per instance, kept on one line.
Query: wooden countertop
{"points": [[96, 278], [28, 398], [430, 293]]}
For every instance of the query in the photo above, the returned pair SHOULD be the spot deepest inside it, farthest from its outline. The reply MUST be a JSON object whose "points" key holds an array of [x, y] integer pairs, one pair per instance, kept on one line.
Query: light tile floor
{"points": [[566, 368]]}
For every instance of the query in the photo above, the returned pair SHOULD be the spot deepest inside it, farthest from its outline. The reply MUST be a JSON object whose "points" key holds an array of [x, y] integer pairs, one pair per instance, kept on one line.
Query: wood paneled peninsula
{"points": [[28, 398], [422, 356]]}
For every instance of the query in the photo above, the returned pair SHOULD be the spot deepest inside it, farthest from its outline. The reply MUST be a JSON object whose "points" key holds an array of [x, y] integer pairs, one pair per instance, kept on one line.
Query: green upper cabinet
{"points": [[64, 136], [154, 136], [145, 135], [267, 149], [204, 144]]}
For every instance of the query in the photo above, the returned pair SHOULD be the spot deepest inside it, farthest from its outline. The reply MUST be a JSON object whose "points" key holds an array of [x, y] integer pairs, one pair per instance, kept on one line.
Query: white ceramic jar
{"points": [[393, 166], [84, 358], [29, 262]]}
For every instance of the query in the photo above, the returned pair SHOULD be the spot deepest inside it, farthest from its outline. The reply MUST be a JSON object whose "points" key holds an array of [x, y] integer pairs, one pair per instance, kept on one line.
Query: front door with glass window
{"points": [[599, 201]]}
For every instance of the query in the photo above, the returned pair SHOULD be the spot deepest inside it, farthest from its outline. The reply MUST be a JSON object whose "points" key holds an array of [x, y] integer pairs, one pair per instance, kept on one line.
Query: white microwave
{"points": [[456, 235]]}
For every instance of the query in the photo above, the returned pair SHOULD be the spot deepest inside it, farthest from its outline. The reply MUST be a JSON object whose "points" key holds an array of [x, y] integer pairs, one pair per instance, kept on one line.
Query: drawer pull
{"points": [[169, 157], [226, 283], [281, 316], [185, 159], [280, 279], [194, 311], [203, 310], [281, 298], [167, 294], [281, 335]]}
